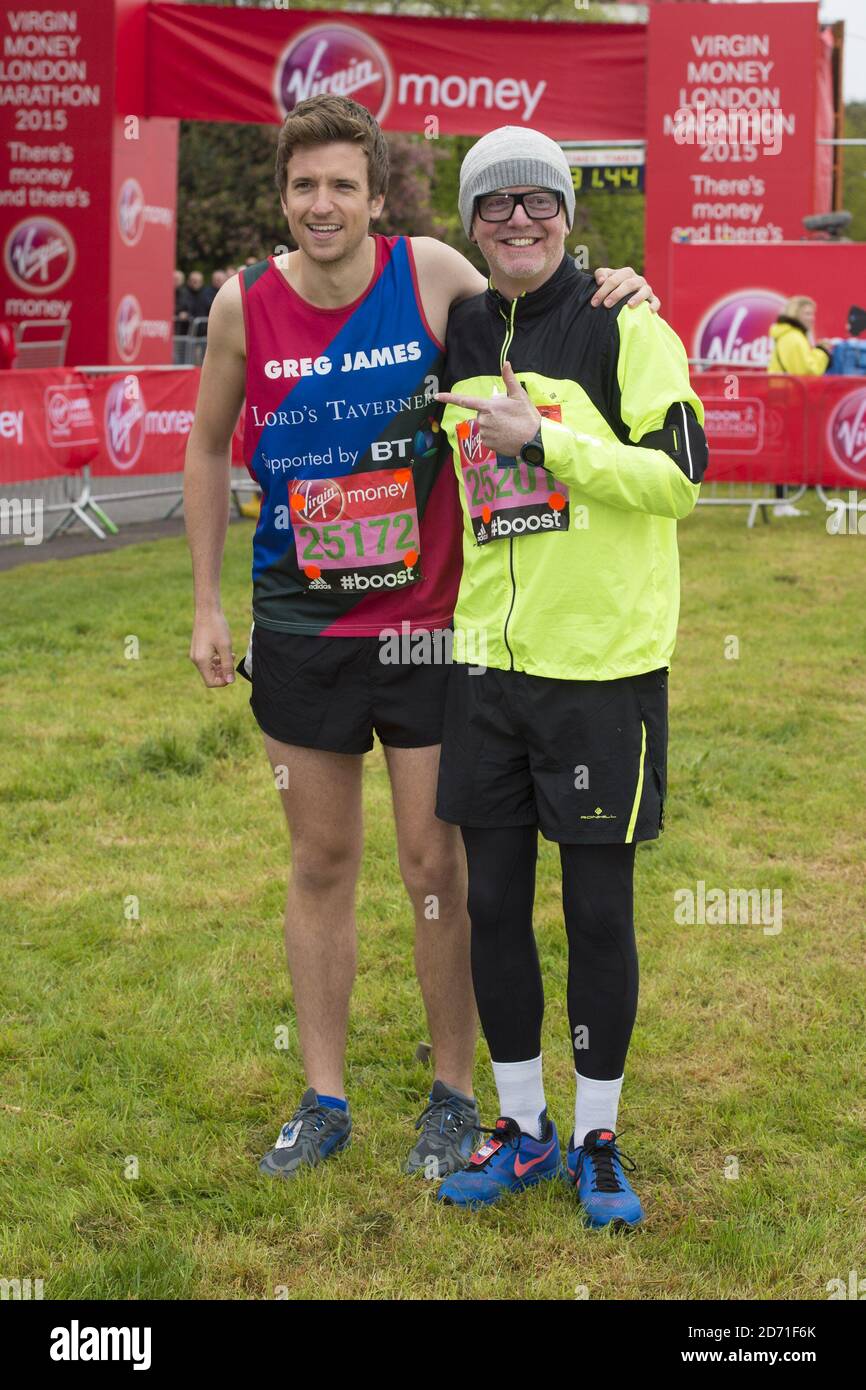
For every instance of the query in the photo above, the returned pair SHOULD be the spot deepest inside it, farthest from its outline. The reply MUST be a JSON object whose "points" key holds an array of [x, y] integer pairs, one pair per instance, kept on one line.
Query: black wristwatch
{"points": [[533, 450]]}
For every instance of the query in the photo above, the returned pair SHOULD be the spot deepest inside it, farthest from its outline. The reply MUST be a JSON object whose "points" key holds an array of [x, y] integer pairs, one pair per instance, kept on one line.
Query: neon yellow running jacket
{"points": [[570, 569]]}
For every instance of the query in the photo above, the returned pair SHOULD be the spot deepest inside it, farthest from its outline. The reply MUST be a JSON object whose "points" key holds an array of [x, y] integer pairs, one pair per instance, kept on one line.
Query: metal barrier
{"points": [[70, 497], [41, 343], [67, 494], [75, 496], [188, 349]]}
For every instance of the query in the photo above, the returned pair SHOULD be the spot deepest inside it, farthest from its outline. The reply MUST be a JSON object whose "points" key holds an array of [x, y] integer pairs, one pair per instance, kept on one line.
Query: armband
{"points": [[682, 439]]}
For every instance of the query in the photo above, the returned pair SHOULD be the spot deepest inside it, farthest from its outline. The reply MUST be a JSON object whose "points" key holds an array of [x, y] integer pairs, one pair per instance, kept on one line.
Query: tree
{"points": [[854, 178], [229, 208]]}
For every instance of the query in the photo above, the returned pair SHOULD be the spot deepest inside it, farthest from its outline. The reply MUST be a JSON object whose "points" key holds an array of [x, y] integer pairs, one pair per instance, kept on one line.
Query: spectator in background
{"points": [[230, 271], [793, 354], [217, 280], [181, 312], [196, 295]]}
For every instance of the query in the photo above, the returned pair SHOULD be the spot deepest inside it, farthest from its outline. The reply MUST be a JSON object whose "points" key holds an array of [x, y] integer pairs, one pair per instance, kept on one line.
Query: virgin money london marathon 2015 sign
{"points": [[87, 197], [469, 76], [87, 225], [731, 126]]}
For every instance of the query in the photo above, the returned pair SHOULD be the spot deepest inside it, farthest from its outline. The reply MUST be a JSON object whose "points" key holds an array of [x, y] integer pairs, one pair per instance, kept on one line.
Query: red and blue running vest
{"points": [[360, 525]]}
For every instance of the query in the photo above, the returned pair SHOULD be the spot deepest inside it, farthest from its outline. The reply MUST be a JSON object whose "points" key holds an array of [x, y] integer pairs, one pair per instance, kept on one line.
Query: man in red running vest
{"points": [[337, 351]]}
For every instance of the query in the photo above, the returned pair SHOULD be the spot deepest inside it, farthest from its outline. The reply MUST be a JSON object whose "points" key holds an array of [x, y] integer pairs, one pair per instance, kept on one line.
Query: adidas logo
{"points": [[319, 584]]}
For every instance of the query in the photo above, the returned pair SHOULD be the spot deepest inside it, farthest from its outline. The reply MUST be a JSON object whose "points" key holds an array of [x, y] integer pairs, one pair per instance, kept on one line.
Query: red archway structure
{"points": [[92, 94]]}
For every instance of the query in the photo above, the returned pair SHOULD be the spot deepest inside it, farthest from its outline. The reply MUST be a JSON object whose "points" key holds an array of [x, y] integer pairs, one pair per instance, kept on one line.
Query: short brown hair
{"points": [[325, 118]]}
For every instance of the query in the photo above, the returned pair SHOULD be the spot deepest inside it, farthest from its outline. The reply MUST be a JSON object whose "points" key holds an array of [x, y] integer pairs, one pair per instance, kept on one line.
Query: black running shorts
{"points": [[334, 692], [586, 761]]}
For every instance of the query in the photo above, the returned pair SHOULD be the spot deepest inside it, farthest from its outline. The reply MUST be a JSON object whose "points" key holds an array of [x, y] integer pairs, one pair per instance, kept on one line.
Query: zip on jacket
{"points": [[592, 588]]}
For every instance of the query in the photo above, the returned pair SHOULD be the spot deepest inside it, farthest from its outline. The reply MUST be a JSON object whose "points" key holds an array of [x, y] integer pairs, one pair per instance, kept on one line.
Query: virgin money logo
{"points": [[39, 255], [333, 58], [134, 214], [470, 442], [127, 328], [846, 434], [130, 212], [319, 500], [737, 328], [68, 416], [124, 422]]}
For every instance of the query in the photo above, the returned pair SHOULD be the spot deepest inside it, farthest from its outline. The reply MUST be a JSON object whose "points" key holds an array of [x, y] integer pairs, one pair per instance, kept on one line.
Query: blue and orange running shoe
{"points": [[603, 1190], [508, 1161]]}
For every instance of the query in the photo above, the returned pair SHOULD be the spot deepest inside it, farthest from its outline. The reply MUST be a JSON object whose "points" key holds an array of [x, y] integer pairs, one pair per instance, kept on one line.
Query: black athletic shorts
{"points": [[333, 692], [586, 761]]}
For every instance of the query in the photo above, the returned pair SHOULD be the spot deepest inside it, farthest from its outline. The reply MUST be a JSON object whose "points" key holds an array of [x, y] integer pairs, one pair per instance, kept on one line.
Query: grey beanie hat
{"points": [[510, 156]]}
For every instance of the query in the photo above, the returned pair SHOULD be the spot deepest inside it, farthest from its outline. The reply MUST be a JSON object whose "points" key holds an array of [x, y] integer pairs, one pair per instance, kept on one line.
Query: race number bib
{"points": [[357, 533], [509, 499]]}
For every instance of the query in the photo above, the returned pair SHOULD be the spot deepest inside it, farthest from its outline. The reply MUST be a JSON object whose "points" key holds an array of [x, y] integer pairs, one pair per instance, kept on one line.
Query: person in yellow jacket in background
{"points": [[794, 355], [793, 352]]}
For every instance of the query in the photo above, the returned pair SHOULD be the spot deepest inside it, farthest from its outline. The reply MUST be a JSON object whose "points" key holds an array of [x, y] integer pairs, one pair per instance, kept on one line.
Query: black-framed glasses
{"points": [[539, 204]]}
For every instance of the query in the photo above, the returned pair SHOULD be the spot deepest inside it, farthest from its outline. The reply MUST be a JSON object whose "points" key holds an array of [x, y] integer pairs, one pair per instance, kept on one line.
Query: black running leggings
{"points": [[598, 903]]}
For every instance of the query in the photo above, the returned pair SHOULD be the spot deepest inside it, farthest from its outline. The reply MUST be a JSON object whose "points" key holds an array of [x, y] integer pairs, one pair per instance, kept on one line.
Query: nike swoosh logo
{"points": [[521, 1168]]}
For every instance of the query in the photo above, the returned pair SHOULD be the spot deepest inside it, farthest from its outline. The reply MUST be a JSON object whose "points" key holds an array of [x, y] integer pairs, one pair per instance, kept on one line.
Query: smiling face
{"points": [[523, 252], [327, 200]]}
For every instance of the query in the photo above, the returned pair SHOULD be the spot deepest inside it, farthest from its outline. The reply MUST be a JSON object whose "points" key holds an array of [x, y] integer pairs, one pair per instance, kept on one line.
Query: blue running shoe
{"points": [[603, 1190], [508, 1161], [315, 1132]]}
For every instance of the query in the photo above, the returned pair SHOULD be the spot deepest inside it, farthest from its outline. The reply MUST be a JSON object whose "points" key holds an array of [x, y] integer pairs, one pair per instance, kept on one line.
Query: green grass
{"points": [[154, 1037]]}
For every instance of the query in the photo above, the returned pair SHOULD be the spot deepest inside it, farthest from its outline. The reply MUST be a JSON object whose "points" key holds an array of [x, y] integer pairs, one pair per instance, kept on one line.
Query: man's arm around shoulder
{"points": [[439, 264]]}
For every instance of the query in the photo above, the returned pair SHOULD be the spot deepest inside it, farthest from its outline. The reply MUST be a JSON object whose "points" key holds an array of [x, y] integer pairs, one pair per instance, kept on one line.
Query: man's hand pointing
{"points": [[505, 423]]}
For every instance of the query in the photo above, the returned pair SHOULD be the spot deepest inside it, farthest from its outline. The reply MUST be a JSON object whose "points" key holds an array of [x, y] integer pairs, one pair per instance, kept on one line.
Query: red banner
{"points": [[723, 299], [56, 93], [46, 425], [785, 429], [55, 421], [730, 126], [87, 192], [573, 81], [141, 244], [760, 428]]}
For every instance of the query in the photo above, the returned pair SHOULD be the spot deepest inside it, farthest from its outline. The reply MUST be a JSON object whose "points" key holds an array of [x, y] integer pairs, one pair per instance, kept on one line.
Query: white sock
{"points": [[521, 1092], [595, 1106]]}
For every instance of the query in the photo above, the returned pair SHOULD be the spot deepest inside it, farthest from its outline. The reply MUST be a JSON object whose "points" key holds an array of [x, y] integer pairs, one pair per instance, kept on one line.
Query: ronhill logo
{"points": [[334, 58]]}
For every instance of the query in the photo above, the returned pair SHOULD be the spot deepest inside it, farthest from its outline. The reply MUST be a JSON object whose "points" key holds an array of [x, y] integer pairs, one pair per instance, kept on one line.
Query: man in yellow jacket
{"points": [[578, 445]]}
